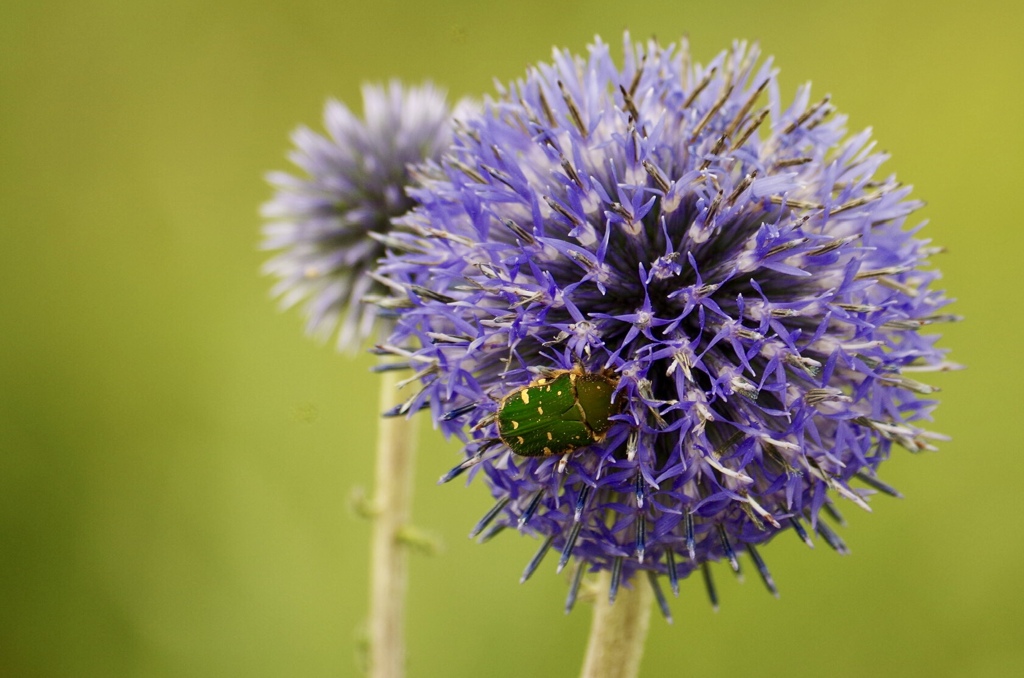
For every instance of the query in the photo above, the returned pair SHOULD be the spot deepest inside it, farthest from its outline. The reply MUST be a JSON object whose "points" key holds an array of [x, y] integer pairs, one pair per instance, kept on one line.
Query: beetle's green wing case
{"points": [[543, 419]]}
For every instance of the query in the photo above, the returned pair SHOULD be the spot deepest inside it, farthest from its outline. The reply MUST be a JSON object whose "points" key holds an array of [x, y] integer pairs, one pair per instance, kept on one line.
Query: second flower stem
{"points": [[392, 500]]}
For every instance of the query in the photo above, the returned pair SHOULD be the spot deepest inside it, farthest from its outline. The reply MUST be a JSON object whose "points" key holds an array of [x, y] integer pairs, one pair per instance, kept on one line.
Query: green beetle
{"points": [[557, 414]]}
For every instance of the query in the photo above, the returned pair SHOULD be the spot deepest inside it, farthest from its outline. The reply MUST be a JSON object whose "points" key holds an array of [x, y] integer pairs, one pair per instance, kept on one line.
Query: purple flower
{"points": [[737, 264], [328, 227]]}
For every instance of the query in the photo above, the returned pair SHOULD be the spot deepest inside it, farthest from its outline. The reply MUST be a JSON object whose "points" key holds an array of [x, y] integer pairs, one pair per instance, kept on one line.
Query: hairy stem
{"points": [[396, 447], [618, 630]]}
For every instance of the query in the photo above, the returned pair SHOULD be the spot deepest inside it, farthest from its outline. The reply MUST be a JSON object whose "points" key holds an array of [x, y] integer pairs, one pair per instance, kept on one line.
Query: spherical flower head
{"points": [[732, 266], [329, 226]]}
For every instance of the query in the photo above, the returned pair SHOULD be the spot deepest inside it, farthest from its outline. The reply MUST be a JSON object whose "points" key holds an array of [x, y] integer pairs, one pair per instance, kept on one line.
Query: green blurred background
{"points": [[176, 459]]}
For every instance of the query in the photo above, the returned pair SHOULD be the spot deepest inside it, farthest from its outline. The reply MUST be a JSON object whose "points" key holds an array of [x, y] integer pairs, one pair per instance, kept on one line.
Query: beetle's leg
{"points": [[472, 461], [486, 421], [548, 372]]}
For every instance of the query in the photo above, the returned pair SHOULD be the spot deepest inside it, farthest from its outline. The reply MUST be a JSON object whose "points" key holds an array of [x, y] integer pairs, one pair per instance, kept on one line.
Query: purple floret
{"points": [[326, 225], [739, 265]]}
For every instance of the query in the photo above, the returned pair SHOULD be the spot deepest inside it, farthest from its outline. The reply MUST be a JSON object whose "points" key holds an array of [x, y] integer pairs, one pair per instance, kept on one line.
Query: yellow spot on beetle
{"points": [[549, 435], [520, 439], [540, 410], [515, 425], [547, 450], [526, 396]]}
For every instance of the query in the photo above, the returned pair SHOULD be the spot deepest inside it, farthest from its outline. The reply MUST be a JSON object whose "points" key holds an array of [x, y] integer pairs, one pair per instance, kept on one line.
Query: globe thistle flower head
{"points": [[327, 226], [729, 263]]}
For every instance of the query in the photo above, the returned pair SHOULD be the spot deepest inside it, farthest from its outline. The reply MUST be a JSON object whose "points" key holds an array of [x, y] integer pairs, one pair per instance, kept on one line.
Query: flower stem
{"points": [[618, 631], [396, 446]]}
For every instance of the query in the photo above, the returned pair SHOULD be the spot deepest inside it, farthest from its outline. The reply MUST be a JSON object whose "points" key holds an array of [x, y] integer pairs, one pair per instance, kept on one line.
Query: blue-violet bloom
{"points": [[329, 226], [738, 266]]}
